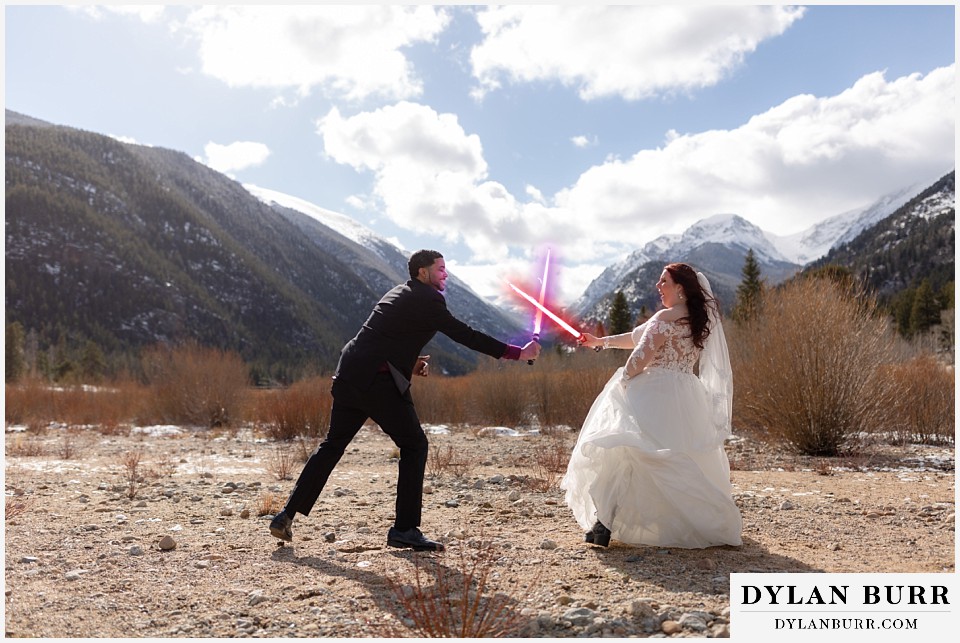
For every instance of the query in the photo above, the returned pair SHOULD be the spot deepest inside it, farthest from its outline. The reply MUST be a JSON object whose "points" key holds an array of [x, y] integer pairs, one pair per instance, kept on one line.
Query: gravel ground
{"points": [[188, 555]]}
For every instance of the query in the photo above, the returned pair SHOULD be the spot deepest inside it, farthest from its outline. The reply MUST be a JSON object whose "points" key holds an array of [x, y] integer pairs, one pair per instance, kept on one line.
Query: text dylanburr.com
{"points": [[843, 607]]}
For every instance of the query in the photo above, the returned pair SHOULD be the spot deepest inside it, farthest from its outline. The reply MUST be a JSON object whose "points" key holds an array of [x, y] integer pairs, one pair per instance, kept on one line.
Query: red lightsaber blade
{"points": [[546, 311], [538, 318]]}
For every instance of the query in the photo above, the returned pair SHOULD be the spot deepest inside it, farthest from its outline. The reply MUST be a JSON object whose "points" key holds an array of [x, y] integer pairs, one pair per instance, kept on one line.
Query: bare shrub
{"points": [[69, 444], [13, 507], [806, 368], [195, 385], [306, 448], [268, 504], [282, 463], [446, 459], [549, 463], [303, 409], [26, 446], [131, 465], [455, 602], [923, 403], [163, 467]]}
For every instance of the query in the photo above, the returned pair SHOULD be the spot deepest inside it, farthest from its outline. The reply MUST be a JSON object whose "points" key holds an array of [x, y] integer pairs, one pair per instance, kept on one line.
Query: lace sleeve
{"points": [[650, 339]]}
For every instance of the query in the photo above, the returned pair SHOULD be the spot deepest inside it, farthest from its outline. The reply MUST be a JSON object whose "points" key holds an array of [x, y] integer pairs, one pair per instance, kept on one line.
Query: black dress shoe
{"points": [[598, 535], [412, 539], [280, 527]]}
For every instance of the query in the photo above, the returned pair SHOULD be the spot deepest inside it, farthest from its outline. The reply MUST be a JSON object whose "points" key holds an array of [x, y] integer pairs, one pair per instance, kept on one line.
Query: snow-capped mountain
{"points": [[813, 243], [341, 223], [718, 244]]}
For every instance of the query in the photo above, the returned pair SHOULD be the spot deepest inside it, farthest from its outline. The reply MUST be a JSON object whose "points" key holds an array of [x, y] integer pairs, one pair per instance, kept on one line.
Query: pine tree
{"points": [[15, 363], [925, 312], [619, 315], [643, 316], [750, 291], [92, 363]]}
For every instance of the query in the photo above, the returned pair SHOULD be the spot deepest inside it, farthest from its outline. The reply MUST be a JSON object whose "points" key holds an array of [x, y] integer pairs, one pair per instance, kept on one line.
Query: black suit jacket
{"points": [[401, 324]]}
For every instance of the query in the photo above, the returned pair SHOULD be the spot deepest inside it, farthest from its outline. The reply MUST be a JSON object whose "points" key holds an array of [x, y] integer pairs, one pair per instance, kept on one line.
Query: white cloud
{"points": [[630, 51], [235, 156], [785, 169], [429, 173], [792, 166], [535, 194], [583, 141], [145, 12], [353, 51]]}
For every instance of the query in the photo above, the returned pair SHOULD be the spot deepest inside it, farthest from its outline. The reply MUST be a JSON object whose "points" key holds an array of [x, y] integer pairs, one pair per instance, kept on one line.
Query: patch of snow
{"points": [[158, 430]]}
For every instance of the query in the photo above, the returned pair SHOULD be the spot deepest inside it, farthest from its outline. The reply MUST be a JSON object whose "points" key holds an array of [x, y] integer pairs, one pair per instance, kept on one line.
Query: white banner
{"points": [[843, 607]]}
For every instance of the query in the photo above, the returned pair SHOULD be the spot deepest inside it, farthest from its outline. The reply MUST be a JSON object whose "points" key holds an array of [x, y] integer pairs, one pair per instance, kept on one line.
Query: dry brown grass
{"points": [[497, 395], [303, 409], [32, 402], [440, 399], [196, 385], [556, 391], [269, 503]]}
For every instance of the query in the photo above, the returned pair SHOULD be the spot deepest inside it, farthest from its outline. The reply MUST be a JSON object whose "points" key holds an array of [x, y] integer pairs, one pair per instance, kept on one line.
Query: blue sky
{"points": [[491, 133]]}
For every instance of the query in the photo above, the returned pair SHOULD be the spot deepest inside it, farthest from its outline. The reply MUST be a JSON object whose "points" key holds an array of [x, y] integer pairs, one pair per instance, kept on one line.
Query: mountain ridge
{"points": [[127, 245]]}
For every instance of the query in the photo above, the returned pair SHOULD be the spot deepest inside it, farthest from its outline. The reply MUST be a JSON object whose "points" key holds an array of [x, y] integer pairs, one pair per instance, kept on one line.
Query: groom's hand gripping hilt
{"points": [[536, 338]]}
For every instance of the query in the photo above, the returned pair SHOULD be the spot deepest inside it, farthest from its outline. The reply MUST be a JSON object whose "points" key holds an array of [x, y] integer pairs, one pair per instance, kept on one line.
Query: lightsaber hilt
{"points": [[536, 338]]}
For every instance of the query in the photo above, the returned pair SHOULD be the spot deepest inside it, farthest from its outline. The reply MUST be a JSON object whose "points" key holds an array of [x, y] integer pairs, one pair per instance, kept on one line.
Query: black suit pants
{"points": [[397, 417]]}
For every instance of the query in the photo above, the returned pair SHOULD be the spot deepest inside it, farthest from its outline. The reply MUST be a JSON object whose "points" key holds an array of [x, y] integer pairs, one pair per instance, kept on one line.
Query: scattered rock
{"points": [[75, 574], [671, 627], [579, 615], [167, 543]]}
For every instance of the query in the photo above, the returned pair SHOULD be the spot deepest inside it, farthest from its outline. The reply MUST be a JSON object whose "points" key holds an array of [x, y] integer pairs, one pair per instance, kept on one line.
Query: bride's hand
{"points": [[590, 341]]}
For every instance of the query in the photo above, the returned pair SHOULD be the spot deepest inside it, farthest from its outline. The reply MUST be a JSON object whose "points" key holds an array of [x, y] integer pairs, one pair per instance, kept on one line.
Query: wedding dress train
{"points": [[649, 463]]}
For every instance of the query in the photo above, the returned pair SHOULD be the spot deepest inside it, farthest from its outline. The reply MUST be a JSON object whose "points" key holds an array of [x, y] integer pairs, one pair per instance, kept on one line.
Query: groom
{"points": [[372, 380]]}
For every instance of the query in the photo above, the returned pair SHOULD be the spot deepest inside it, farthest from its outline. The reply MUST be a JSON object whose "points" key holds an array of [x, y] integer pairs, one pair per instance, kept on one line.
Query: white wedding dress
{"points": [[649, 463]]}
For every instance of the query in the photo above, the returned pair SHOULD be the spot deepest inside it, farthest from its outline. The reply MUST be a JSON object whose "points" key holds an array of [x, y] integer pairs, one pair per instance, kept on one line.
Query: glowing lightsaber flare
{"points": [[543, 291], [538, 318], [546, 311]]}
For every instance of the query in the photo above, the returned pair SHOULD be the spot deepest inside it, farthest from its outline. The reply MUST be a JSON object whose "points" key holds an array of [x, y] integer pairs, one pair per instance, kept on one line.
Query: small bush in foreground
{"points": [[445, 602]]}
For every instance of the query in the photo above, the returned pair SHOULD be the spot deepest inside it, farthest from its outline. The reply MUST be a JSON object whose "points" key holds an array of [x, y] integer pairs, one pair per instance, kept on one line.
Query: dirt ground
{"points": [[87, 552]]}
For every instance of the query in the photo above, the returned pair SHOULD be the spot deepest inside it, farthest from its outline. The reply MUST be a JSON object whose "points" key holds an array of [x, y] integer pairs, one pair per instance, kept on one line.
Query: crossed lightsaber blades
{"points": [[543, 310]]}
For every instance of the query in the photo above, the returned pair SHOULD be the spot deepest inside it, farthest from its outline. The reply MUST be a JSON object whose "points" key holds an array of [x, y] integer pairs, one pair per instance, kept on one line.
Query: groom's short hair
{"points": [[421, 259]]}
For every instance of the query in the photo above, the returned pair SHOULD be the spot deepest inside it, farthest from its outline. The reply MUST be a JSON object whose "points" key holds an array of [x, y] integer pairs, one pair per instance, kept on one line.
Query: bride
{"points": [[649, 466]]}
